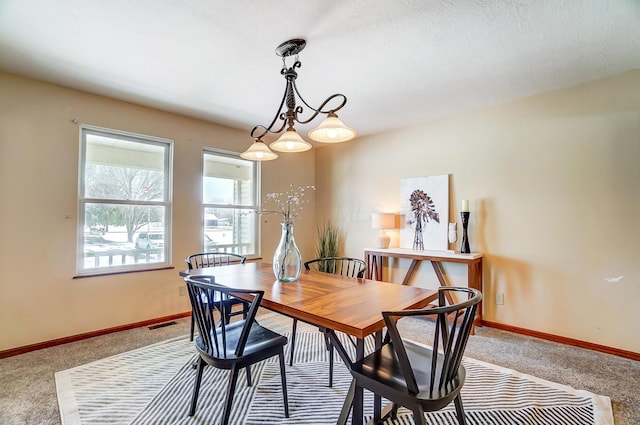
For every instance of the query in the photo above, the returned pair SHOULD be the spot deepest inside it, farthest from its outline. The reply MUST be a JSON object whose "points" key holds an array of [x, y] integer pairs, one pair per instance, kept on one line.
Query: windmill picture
{"points": [[423, 209], [424, 205]]}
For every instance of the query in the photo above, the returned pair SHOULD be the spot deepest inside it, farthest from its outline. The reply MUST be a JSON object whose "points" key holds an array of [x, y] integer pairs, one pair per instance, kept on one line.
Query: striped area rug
{"points": [[153, 385]]}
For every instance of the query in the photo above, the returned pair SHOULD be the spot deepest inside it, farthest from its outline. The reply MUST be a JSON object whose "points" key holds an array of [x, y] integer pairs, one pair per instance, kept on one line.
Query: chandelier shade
{"points": [[290, 141], [331, 130], [258, 151]]}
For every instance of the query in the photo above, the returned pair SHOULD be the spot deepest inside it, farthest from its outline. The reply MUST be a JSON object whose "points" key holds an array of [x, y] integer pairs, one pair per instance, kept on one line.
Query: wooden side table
{"points": [[373, 258]]}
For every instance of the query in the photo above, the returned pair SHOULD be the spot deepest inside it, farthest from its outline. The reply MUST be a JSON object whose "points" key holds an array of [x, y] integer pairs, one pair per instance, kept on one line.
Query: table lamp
{"points": [[382, 222]]}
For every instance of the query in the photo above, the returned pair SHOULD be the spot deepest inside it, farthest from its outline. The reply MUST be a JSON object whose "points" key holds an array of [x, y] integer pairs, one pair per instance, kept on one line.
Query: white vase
{"points": [[453, 233]]}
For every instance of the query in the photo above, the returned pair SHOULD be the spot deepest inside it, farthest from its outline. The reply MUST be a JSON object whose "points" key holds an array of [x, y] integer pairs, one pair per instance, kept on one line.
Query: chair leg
{"points": [[196, 386], [459, 410], [394, 411], [231, 390], [377, 407], [245, 310], [418, 416], [293, 341], [283, 379], [248, 373], [192, 328], [348, 403]]}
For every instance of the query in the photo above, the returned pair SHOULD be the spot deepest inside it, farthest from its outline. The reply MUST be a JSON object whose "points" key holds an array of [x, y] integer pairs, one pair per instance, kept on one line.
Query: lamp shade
{"points": [[383, 221], [290, 141], [332, 130], [258, 151]]}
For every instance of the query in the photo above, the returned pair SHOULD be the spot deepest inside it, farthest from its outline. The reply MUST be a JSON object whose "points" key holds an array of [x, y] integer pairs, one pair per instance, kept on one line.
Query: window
{"points": [[229, 197], [124, 201]]}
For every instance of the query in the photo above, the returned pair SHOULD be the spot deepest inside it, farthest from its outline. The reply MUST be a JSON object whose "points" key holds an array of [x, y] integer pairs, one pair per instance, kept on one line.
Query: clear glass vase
{"points": [[287, 261]]}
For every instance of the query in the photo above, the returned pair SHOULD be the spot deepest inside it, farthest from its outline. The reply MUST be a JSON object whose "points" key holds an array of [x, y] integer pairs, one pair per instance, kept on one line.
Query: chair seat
{"points": [[381, 370], [262, 343]]}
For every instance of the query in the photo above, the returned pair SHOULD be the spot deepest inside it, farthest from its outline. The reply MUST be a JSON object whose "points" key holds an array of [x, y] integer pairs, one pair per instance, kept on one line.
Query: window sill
{"points": [[82, 276]]}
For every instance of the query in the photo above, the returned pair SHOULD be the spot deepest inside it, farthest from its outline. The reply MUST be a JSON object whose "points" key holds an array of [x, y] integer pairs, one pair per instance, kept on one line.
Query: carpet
{"points": [[152, 385]]}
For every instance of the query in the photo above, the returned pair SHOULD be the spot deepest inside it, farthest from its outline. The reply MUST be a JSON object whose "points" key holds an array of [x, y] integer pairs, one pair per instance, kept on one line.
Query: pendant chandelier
{"points": [[331, 130]]}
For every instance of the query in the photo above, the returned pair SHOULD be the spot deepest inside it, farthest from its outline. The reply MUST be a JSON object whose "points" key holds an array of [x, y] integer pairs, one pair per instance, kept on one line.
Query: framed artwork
{"points": [[424, 207]]}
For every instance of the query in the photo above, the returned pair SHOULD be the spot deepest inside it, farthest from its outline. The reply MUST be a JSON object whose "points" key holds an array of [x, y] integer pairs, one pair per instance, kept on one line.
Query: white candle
{"points": [[465, 205]]}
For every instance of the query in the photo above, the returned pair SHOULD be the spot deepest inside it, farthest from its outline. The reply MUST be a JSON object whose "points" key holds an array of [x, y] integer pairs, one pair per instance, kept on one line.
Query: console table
{"points": [[374, 256]]}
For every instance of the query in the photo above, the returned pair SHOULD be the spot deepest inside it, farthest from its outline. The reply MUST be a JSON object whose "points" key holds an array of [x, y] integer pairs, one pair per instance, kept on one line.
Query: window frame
{"points": [[256, 178], [166, 202]]}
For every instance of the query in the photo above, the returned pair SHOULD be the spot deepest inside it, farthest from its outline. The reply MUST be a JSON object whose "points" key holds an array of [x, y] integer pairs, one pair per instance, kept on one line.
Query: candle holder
{"points": [[464, 247]]}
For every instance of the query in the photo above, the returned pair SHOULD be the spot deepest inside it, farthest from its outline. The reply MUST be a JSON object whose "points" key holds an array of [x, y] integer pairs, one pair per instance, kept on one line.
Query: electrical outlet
{"points": [[182, 290], [500, 299]]}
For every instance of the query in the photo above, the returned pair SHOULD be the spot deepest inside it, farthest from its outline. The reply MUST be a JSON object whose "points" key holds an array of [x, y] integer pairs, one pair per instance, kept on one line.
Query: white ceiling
{"points": [[398, 62]]}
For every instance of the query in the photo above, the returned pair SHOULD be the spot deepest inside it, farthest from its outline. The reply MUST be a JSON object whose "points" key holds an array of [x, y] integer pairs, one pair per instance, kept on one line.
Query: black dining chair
{"points": [[216, 259], [344, 266], [421, 378], [231, 346]]}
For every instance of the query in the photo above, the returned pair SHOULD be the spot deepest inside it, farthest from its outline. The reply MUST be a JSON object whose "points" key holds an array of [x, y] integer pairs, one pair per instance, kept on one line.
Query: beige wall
{"points": [[39, 299], [554, 186]]}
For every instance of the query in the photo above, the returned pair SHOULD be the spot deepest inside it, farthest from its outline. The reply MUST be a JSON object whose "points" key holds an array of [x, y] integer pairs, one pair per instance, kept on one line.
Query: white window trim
{"points": [[168, 203], [257, 175]]}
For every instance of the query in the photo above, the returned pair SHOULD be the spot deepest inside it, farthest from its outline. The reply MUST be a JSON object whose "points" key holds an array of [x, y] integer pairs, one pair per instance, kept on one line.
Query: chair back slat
{"points": [[401, 352], [251, 314], [344, 266], [213, 259], [440, 320], [465, 329], [448, 353], [452, 328], [207, 301]]}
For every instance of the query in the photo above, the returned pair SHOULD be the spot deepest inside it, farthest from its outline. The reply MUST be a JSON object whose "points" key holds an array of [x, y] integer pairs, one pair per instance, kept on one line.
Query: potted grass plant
{"points": [[328, 243]]}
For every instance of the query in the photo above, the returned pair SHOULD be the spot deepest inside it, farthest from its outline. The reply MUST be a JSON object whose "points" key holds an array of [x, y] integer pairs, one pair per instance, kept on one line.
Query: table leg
{"points": [[474, 277], [437, 267], [374, 267], [377, 399], [377, 267], [410, 270]]}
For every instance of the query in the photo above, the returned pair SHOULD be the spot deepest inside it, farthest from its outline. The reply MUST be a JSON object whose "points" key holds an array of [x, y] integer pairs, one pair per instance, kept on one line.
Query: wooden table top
{"points": [[326, 300]]}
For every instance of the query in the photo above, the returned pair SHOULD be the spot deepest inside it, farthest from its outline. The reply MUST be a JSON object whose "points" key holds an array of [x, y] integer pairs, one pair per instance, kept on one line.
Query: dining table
{"points": [[331, 302]]}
